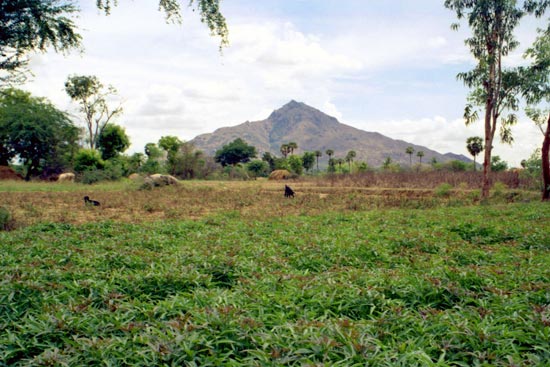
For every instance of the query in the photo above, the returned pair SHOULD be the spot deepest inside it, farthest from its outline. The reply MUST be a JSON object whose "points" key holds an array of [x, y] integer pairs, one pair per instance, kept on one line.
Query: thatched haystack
{"points": [[7, 173], [280, 174]]}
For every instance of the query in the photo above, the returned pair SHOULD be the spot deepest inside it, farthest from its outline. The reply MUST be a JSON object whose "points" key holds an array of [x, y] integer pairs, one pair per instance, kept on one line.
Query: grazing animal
{"points": [[288, 192], [66, 177], [88, 201]]}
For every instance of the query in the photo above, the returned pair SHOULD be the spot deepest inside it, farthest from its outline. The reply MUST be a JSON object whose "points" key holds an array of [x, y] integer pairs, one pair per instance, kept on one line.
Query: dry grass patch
{"points": [[123, 202]]}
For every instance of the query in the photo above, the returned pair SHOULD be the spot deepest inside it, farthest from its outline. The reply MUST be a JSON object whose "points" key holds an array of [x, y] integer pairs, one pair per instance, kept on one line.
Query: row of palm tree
{"points": [[289, 148]]}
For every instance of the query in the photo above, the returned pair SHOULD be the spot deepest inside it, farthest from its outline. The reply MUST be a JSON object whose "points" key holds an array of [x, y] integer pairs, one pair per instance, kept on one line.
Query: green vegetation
{"points": [[447, 287]]}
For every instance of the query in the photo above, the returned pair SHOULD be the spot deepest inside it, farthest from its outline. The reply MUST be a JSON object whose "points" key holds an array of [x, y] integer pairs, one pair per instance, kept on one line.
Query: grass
{"points": [[233, 274]]}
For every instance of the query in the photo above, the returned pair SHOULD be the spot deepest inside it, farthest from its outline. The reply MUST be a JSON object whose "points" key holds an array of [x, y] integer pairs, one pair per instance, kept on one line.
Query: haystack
{"points": [[280, 174], [158, 180], [7, 173]]}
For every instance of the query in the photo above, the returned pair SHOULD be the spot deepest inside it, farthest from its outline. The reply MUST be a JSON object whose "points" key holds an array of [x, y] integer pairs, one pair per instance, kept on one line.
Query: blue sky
{"points": [[377, 65]]}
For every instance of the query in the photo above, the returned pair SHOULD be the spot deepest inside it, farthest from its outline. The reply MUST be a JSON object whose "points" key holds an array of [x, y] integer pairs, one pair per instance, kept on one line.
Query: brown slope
{"points": [[313, 130]]}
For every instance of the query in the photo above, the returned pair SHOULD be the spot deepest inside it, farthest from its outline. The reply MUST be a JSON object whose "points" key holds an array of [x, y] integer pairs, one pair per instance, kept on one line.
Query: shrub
{"points": [[443, 190], [6, 221], [88, 159], [499, 188], [92, 176]]}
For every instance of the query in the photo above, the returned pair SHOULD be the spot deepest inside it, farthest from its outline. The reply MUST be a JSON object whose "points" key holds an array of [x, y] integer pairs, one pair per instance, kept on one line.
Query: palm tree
{"points": [[420, 154], [330, 153], [291, 146], [349, 158], [340, 161], [474, 145], [317, 155], [410, 151], [285, 150]]}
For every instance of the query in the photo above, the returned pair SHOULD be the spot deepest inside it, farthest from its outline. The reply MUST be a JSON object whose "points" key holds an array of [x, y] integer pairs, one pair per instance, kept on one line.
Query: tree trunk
{"points": [[546, 163], [486, 183]]}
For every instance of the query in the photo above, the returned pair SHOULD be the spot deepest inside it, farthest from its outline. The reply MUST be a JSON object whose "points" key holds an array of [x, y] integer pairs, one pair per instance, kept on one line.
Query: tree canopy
{"points": [[238, 151], [33, 25], [112, 141], [33, 131]]}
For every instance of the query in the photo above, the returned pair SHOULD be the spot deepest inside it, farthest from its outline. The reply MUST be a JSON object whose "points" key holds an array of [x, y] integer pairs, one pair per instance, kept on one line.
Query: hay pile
{"points": [[6, 173], [280, 174]]}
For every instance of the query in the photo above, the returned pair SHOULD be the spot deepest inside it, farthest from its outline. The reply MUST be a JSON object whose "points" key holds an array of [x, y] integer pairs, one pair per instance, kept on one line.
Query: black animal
{"points": [[88, 201], [288, 192]]}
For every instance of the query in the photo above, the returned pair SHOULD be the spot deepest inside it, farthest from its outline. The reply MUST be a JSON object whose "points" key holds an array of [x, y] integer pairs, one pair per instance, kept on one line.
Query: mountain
{"points": [[314, 130]]}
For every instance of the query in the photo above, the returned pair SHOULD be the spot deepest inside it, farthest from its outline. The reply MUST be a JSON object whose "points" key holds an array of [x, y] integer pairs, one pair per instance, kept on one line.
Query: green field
{"points": [[459, 286]]}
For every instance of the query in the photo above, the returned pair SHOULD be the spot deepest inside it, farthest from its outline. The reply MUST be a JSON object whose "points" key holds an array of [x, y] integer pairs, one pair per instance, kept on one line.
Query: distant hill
{"points": [[314, 130]]}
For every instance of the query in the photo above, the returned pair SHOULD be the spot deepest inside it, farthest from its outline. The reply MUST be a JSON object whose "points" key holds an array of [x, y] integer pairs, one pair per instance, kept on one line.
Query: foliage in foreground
{"points": [[445, 287]]}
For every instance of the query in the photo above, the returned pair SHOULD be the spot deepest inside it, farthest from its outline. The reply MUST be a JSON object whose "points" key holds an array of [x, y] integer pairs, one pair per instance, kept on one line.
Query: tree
{"points": [[34, 131], [238, 151], [258, 168], [92, 97], [170, 144], [285, 149], [112, 141], [420, 154], [340, 161], [188, 163], [296, 164], [152, 151], [349, 158], [33, 26], [387, 163], [474, 144], [330, 153], [498, 165], [318, 154], [308, 159], [410, 151], [292, 146], [270, 159], [494, 87], [536, 89]]}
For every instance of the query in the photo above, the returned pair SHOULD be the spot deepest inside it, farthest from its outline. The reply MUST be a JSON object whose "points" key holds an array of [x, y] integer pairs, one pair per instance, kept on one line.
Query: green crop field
{"points": [[324, 285]]}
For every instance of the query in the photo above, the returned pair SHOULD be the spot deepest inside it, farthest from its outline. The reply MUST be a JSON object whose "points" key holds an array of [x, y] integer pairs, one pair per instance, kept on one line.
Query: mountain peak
{"points": [[295, 112]]}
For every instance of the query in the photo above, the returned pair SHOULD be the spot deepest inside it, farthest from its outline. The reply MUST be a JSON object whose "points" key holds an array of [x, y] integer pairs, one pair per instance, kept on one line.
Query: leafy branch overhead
{"points": [[35, 25], [209, 11]]}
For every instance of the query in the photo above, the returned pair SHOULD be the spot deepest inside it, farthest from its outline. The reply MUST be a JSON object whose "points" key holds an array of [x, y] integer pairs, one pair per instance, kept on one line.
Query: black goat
{"points": [[288, 192], [88, 201]]}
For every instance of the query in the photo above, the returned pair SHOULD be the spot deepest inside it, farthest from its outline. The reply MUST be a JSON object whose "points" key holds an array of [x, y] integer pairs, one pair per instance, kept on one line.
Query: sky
{"points": [[383, 66]]}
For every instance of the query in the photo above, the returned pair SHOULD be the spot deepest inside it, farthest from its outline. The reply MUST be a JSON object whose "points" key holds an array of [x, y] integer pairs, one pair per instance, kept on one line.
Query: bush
{"points": [[92, 176], [6, 221], [443, 190], [88, 159], [258, 168]]}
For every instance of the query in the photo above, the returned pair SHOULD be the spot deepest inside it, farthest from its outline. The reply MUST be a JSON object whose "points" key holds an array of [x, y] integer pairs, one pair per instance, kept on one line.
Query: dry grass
{"points": [[41, 202]]}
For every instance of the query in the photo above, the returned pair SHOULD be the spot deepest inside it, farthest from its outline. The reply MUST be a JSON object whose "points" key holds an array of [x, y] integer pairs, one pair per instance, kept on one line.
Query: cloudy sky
{"points": [[385, 66]]}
